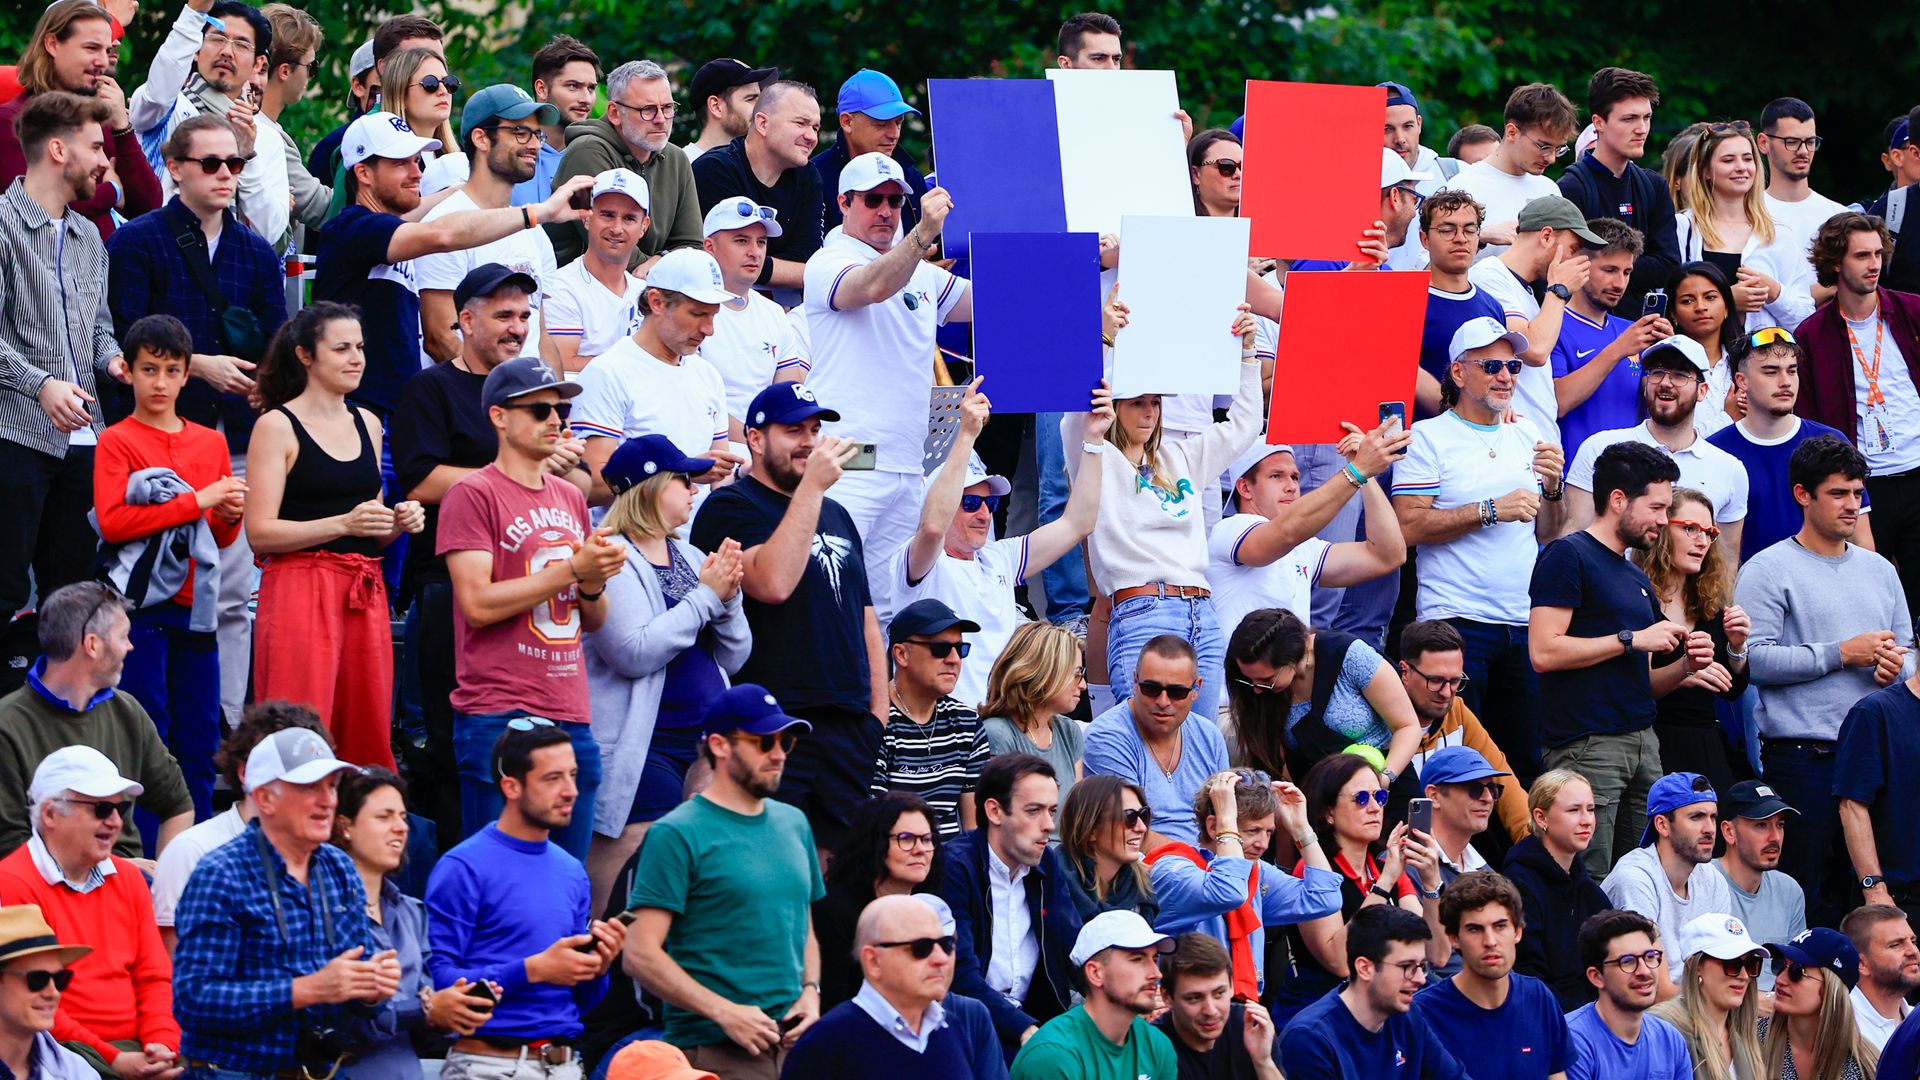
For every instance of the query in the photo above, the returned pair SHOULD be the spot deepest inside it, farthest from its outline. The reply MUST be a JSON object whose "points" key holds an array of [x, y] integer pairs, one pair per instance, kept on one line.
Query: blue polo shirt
{"points": [[1524, 1039], [1616, 402], [1879, 737], [1325, 1042]]}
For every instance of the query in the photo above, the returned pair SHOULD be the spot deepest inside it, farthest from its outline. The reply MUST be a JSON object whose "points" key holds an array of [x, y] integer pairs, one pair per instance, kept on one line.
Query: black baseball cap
{"points": [[1755, 800], [486, 279], [722, 75], [926, 617]]}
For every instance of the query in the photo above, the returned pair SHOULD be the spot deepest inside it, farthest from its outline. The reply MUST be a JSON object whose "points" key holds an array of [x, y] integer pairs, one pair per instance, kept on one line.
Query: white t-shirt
{"points": [[1806, 216], [1484, 575], [629, 392], [577, 305], [1876, 1028], [1703, 466], [1889, 435], [1287, 582], [176, 863], [749, 346], [1533, 389], [1501, 194], [874, 365], [526, 250], [980, 589]]}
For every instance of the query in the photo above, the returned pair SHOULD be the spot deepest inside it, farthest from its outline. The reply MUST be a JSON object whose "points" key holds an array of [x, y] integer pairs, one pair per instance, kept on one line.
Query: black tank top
{"points": [[320, 485]]}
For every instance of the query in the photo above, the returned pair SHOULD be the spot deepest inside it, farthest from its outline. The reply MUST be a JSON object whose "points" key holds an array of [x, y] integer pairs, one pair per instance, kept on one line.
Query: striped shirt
{"points": [[53, 319], [939, 760]]}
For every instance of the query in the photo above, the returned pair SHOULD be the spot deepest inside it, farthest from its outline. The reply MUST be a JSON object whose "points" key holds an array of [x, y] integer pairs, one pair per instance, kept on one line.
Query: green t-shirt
{"points": [[740, 889], [1071, 1047]]}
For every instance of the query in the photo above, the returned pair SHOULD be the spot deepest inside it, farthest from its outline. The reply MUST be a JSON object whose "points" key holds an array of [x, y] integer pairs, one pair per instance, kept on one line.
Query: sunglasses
{"points": [[102, 808], [1492, 367], [907, 841], [940, 650], [1475, 789], [1770, 335], [1631, 962], [1749, 965], [1379, 797], [528, 723], [1692, 529], [1260, 687], [1142, 816], [752, 210], [1174, 691], [786, 740], [971, 503], [38, 981], [541, 410], [873, 199], [1797, 971], [920, 947], [212, 162], [1226, 167], [433, 84]]}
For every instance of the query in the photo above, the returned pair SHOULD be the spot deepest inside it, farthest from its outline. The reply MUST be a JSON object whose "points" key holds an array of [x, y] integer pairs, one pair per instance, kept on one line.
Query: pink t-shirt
{"points": [[530, 662]]}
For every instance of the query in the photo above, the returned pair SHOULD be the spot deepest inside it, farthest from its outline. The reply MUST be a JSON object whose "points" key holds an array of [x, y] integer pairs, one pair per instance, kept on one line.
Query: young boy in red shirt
{"points": [[165, 501]]}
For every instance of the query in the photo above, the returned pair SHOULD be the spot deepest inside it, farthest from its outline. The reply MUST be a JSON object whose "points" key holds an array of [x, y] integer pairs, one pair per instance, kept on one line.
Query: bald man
{"points": [[902, 1019]]}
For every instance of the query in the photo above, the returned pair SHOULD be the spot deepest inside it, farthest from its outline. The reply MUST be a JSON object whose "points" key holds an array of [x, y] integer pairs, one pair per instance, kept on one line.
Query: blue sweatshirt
{"points": [[485, 922]]}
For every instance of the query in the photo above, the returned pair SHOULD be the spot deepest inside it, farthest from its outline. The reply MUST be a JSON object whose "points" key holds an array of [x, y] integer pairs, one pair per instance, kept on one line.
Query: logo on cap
{"points": [[1802, 936], [399, 125], [769, 700], [760, 417], [1763, 790], [1734, 927], [649, 468], [801, 391]]}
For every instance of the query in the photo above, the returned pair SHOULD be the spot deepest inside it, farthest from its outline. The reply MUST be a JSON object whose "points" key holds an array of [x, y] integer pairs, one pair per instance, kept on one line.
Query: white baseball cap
{"points": [[1116, 930], [690, 272], [729, 214], [1480, 333], [297, 755], [622, 182], [1681, 344], [977, 474], [82, 769], [1394, 170], [382, 135], [1720, 936], [1250, 457], [869, 171]]}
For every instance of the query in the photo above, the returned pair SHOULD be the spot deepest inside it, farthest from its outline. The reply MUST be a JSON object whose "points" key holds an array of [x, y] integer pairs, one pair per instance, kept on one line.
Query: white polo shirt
{"points": [[1287, 582], [750, 345], [578, 306], [1703, 466], [1533, 390], [1484, 575], [628, 392], [526, 250], [979, 589], [874, 365]]}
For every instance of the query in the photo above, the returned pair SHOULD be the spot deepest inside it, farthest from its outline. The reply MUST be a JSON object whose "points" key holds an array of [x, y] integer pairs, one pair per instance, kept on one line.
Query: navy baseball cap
{"points": [[786, 403], [875, 94], [749, 709], [1457, 765], [1673, 791], [1398, 94], [521, 376], [486, 279], [926, 617], [1821, 948], [1754, 800], [636, 460]]}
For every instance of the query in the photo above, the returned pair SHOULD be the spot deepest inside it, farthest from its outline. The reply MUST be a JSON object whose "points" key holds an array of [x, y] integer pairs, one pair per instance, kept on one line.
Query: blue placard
{"points": [[996, 149], [1036, 319]]}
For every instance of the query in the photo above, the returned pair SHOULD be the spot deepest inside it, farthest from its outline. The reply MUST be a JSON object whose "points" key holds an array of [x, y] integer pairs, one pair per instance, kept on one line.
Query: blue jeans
{"points": [[480, 800], [1066, 579], [175, 673], [1140, 619], [1503, 691]]}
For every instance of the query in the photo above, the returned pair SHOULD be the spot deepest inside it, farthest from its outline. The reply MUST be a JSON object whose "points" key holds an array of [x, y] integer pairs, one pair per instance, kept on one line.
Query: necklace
{"points": [[1167, 767], [1493, 448]]}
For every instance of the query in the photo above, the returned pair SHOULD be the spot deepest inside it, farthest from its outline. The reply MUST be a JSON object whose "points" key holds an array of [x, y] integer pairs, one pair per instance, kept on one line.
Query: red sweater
{"points": [[123, 989], [197, 453]]}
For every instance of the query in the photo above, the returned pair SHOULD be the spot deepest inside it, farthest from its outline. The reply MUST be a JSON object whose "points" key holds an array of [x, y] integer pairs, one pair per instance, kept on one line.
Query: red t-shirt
{"points": [[531, 661]]}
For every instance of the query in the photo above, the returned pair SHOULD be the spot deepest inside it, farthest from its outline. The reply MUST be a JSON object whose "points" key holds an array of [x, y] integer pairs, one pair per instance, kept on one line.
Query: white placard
{"points": [[1183, 279], [1121, 151]]}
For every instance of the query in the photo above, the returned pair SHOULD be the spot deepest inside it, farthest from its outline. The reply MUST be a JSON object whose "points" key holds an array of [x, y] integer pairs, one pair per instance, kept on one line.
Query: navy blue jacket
{"points": [[830, 161], [1640, 198], [1056, 920]]}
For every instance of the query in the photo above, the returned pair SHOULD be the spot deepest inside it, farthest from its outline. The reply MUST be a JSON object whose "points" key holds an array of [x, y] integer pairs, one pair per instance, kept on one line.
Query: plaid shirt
{"points": [[233, 970], [53, 315]]}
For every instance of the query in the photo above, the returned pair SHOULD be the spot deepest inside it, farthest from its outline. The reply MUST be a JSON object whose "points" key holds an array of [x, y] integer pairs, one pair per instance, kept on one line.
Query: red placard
{"points": [[1312, 181], [1348, 343]]}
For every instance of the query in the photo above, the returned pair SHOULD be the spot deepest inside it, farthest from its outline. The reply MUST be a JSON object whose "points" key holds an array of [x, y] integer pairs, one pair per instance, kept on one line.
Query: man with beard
{"points": [[819, 646], [737, 999], [1788, 138], [1213, 1034], [1669, 878], [1106, 1036], [722, 95], [500, 133], [1614, 1037], [632, 135], [541, 947], [1830, 627], [1366, 1027], [769, 166], [1773, 905], [1889, 969], [1673, 382], [1592, 631], [566, 75], [1596, 361], [1509, 1025]]}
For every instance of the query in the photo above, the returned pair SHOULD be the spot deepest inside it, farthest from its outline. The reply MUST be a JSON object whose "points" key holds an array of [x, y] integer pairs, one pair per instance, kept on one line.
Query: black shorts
{"points": [[829, 771]]}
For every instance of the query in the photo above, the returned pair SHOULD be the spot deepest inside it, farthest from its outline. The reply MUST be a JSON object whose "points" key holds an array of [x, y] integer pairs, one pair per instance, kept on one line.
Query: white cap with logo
{"points": [[1720, 936], [730, 214], [297, 755], [82, 769], [869, 171], [690, 272], [622, 182], [381, 135], [1481, 332], [1394, 170]]}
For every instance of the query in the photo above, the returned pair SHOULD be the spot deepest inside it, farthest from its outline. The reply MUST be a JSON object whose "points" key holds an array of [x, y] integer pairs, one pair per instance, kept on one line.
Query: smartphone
{"points": [[590, 945], [627, 917], [1654, 304], [789, 1024], [484, 991], [1396, 410], [582, 199], [1420, 815], [864, 460]]}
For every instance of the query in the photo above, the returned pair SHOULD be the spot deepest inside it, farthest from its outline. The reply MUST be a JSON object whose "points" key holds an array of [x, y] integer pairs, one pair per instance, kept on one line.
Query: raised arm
{"points": [[473, 228], [943, 498], [881, 279], [1056, 539]]}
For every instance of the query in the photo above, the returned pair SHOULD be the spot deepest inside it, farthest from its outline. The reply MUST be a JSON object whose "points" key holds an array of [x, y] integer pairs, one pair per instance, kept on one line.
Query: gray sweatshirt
{"points": [[1803, 606]]}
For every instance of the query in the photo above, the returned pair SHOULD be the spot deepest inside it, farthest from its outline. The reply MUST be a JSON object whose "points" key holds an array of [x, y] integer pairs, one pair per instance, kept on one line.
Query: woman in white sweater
{"points": [[674, 634], [1149, 547], [1726, 223]]}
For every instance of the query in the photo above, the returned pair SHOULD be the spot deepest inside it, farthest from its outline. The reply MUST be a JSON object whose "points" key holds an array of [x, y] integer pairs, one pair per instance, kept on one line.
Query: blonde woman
{"points": [[675, 633], [1036, 682], [416, 87], [1726, 223], [1719, 997], [1811, 1034], [1554, 884]]}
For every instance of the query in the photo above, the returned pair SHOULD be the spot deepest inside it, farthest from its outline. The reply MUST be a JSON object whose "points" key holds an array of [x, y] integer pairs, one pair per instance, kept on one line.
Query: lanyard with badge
{"points": [[1875, 399]]}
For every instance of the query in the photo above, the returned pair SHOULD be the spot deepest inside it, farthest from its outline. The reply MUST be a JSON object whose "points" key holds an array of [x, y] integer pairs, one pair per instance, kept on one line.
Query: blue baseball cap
{"points": [[927, 616], [1239, 128], [636, 460], [1821, 948], [503, 101], [748, 709], [1457, 765], [520, 376], [873, 93], [1898, 137], [1398, 94], [786, 403], [1673, 791]]}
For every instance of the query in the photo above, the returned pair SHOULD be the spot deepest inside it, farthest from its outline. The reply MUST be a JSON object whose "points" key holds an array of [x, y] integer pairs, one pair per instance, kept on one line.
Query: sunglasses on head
{"points": [[873, 199], [1226, 167], [1749, 965], [528, 723], [1174, 691], [102, 808], [940, 650], [748, 209], [432, 83], [920, 947], [212, 162], [1379, 797], [38, 981], [1142, 816], [1770, 335], [786, 740], [540, 410], [1492, 367], [971, 503]]}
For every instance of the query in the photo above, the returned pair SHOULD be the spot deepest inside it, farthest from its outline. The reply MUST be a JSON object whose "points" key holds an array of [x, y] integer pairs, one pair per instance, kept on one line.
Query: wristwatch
{"points": [[1626, 638], [1565, 294], [1870, 881]]}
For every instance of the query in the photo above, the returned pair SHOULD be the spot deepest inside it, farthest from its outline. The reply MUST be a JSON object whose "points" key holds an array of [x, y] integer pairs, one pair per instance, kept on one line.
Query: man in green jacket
{"points": [[634, 134]]}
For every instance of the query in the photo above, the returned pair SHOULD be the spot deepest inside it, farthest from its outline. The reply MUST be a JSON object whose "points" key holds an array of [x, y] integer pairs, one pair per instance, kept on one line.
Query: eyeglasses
{"points": [[1436, 683], [1259, 687], [940, 650], [1749, 965], [1692, 529], [907, 841], [1631, 962], [528, 723], [651, 113], [1142, 816], [1477, 789], [212, 162], [38, 981], [1669, 375], [1770, 335], [1379, 796], [102, 808], [540, 410], [1226, 167], [1558, 150], [1411, 194], [873, 199], [1174, 691], [786, 740], [433, 84], [1492, 367], [1450, 230], [221, 43], [1408, 968], [1794, 146], [521, 133], [920, 947], [971, 503]]}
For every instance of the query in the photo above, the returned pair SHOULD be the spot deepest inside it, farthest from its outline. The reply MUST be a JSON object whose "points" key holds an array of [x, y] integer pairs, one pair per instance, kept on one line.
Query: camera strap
{"points": [[273, 893]]}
